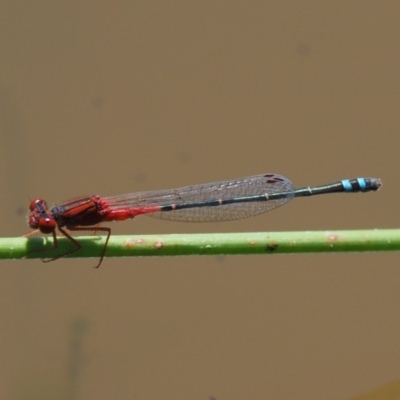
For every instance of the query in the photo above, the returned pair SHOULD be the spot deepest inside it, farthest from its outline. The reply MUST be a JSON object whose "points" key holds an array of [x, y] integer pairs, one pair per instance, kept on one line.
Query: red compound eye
{"points": [[33, 222], [34, 203], [46, 225]]}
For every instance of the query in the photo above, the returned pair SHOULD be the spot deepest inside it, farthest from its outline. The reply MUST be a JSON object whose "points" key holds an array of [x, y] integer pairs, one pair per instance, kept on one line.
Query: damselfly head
{"points": [[39, 218]]}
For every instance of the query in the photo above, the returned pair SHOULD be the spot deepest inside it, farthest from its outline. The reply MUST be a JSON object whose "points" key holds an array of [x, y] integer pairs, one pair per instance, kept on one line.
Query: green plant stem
{"points": [[208, 244]]}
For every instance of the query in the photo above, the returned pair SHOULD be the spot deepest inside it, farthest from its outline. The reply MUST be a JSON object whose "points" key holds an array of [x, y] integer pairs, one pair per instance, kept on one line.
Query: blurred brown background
{"points": [[112, 97]]}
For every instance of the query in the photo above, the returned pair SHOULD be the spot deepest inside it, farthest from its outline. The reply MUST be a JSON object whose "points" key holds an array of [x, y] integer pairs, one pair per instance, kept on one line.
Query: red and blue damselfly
{"points": [[210, 202]]}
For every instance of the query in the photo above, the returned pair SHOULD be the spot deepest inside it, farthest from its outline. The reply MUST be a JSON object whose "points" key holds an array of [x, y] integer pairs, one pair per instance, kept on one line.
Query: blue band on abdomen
{"points": [[347, 185], [362, 183]]}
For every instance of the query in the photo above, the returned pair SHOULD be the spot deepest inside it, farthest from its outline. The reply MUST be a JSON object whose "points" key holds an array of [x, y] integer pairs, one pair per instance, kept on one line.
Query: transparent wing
{"points": [[198, 196]]}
